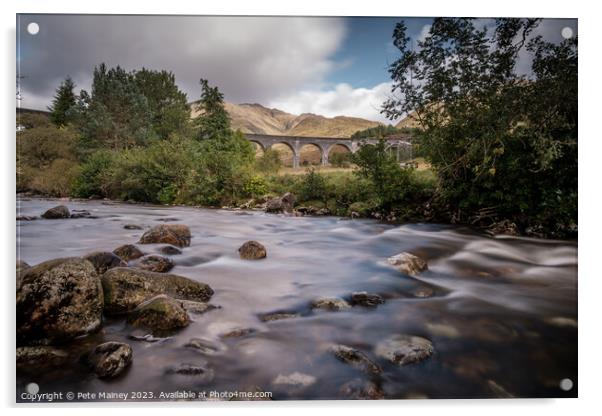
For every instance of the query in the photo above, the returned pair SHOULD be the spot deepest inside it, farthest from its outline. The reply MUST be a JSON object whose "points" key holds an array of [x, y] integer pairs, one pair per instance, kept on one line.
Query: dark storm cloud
{"points": [[249, 58]]}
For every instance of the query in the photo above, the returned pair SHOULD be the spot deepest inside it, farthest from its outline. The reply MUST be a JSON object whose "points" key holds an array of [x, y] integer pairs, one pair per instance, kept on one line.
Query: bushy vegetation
{"points": [[500, 142]]}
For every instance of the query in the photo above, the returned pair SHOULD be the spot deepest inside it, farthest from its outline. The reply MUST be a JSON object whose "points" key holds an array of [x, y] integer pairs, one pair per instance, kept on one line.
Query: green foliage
{"points": [[57, 179], [269, 162], [391, 183], [377, 132], [167, 104], [340, 159], [94, 177], [495, 138], [213, 120], [62, 102], [116, 115], [255, 186], [313, 186]]}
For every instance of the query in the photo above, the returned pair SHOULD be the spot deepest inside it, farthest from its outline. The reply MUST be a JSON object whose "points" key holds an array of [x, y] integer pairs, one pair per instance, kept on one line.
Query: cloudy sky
{"points": [[328, 66]]}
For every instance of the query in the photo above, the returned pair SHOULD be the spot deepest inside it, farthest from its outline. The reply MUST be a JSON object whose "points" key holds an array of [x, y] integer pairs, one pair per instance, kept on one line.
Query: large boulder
{"points": [[104, 260], [174, 234], [128, 252], [125, 288], [285, 203], [252, 250], [158, 314], [110, 359], [57, 301], [57, 212], [404, 349], [408, 263], [155, 263]]}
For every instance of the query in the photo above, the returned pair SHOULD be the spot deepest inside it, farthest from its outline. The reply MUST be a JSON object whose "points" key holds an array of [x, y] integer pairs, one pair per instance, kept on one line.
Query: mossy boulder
{"points": [[125, 288], [252, 250], [159, 314], [57, 301], [128, 252], [56, 213], [155, 263], [174, 234]]}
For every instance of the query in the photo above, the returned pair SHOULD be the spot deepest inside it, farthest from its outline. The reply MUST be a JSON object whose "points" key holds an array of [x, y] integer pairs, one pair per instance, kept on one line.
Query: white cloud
{"points": [[343, 99]]}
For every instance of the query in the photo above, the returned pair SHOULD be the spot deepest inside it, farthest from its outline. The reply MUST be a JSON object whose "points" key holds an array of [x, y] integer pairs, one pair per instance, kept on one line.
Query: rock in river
{"points": [[252, 250], [174, 234], [355, 358], [170, 250], [155, 263], [39, 356], [125, 288], [128, 252], [200, 371], [285, 203], [366, 299], [360, 389], [161, 313], [104, 260], [57, 212], [110, 359], [330, 304], [57, 301], [404, 349], [408, 263]]}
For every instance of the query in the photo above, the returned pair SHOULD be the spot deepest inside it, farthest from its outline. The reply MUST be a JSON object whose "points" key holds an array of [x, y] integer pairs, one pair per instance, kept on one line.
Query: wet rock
{"points": [[81, 213], [128, 252], [295, 379], [203, 346], [110, 359], [170, 250], [57, 301], [506, 227], [359, 389], [174, 234], [104, 260], [57, 212], [423, 292], [200, 371], [355, 358], [125, 288], [197, 308], [366, 299], [26, 218], [238, 333], [330, 304], [285, 203], [133, 227], [40, 356], [408, 263], [277, 316], [161, 313], [404, 349], [155, 263], [252, 250]]}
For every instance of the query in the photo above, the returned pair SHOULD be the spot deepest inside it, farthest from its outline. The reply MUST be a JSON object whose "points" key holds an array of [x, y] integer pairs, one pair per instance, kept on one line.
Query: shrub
{"points": [[95, 175], [313, 186], [255, 186], [57, 179], [269, 162], [340, 159]]}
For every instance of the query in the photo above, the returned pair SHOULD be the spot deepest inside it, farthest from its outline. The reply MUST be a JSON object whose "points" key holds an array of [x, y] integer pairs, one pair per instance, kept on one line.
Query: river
{"points": [[502, 316]]}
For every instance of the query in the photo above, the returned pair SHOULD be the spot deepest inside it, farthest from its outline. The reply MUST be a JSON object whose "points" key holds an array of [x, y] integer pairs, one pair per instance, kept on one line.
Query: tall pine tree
{"points": [[213, 121], [63, 100]]}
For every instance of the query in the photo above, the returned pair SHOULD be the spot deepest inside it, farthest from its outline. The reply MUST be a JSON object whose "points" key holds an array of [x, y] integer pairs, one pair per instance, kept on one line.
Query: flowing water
{"points": [[502, 315]]}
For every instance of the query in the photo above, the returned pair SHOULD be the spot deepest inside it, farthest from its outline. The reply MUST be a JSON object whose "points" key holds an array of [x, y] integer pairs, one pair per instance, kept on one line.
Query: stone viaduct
{"points": [[325, 144]]}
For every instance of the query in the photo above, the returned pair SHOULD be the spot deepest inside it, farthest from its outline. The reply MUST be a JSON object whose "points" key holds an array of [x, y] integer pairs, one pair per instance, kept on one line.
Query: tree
{"points": [[496, 138], [213, 120], [391, 182], [63, 100], [116, 115], [167, 104]]}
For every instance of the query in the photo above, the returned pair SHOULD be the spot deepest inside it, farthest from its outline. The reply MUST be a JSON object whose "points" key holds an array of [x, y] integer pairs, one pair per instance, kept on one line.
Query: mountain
{"points": [[255, 118], [409, 121]]}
